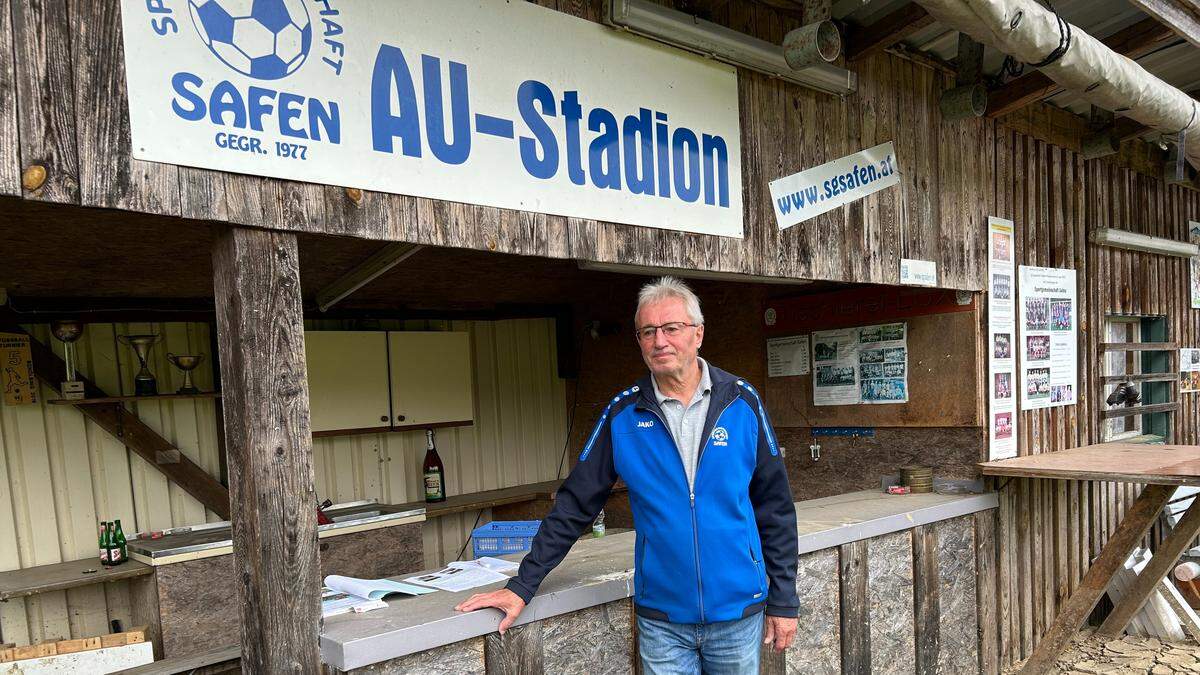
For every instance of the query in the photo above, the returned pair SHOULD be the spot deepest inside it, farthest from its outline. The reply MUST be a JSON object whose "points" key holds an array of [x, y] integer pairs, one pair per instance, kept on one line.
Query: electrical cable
{"points": [[571, 414], [471, 536]]}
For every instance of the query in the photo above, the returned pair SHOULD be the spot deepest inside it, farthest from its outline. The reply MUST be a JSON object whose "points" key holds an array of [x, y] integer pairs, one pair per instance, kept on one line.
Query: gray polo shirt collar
{"points": [[704, 387]]}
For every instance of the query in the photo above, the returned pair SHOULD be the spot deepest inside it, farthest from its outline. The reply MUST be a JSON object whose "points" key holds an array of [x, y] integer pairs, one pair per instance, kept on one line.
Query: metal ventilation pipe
{"points": [[1077, 62]]}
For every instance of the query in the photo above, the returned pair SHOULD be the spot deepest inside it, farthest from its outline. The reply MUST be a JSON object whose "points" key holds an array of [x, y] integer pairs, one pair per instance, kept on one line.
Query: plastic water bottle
{"points": [[598, 525]]}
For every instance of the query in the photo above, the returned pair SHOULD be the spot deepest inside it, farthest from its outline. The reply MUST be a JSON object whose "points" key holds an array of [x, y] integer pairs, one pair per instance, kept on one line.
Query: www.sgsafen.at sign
{"points": [[823, 188], [486, 102]]}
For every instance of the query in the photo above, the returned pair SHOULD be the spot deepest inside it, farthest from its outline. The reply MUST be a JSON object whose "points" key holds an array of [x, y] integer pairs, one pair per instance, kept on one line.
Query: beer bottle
{"points": [[119, 544], [114, 553], [435, 473], [104, 543]]}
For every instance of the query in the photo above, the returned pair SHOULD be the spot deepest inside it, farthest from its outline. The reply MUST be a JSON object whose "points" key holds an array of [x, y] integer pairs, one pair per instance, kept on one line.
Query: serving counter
{"points": [[186, 600], [882, 579]]}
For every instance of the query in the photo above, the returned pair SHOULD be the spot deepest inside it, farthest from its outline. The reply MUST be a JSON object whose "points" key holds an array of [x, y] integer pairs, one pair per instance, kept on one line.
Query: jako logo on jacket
{"points": [[699, 556]]}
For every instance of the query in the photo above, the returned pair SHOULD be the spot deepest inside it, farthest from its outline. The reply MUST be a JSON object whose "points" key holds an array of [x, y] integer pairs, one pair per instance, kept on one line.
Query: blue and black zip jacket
{"points": [[723, 551]]}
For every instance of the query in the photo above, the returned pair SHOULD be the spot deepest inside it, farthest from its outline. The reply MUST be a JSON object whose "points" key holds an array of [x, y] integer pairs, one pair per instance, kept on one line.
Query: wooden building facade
{"points": [[65, 142]]}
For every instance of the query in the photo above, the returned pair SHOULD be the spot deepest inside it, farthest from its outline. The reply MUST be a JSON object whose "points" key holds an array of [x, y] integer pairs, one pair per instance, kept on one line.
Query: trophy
{"points": [[187, 364], [68, 332], [144, 383]]}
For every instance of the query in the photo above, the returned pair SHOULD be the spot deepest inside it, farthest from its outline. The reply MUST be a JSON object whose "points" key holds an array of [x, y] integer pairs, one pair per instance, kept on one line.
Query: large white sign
{"points": [[1002, 324], [488, 102], [1049, 348], [810, 193]]}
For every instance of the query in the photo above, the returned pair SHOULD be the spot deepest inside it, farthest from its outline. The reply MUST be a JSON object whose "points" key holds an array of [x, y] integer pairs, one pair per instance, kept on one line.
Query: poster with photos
{"points": [[1194, 237], [1002, 369], [868, 364], [1189, 370], [1047, 347]]}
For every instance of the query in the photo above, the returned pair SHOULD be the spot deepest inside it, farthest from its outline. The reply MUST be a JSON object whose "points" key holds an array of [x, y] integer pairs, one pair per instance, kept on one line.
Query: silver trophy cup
{"points": [[187, 363], [144, 383], [68, 332]]}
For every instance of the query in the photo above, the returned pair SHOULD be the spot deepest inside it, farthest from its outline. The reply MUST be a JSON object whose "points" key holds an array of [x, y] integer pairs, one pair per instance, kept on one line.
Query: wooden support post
{"points": [[1159, 566], [260, 332], [926, 604], [989, 615], [518, 651], [856, 609], [1121, 544]]}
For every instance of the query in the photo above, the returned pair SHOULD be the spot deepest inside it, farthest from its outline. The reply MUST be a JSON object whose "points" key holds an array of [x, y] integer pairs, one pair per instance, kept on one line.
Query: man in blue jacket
{"points": [[716, 543]]}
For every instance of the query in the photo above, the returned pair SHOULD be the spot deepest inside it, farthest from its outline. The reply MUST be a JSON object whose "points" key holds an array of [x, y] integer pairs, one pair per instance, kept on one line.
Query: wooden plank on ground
{"points": [[77, 645], [1129, 533]]}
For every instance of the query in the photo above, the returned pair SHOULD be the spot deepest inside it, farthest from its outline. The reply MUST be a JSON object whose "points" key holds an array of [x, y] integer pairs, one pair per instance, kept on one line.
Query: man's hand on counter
{"points": [[504, 600]]}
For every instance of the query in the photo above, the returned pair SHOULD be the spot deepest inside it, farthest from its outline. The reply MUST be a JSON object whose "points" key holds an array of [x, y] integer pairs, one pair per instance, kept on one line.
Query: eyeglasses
{"points": [[672, 329]]}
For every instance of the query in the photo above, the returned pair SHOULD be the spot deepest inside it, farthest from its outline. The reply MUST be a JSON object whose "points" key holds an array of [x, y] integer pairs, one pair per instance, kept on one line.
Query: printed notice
{"points": [[1189, 370], [787, 356], [1002, 370], [861, 365], [1194, 237], [1048, 346], [16, 370]]}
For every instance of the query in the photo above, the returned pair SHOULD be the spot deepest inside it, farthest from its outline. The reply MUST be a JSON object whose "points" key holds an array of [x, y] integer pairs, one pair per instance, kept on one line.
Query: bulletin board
{"points": [[945, 387]]}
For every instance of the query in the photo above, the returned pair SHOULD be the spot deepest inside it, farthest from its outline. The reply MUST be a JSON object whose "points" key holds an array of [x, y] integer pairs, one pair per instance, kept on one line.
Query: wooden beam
{"points": [[1181, 16], [926, 621], [130, 430], [1135, 41], [1128, 535], [1160, 564], [260, 331], [856, 609], [899, 24]]}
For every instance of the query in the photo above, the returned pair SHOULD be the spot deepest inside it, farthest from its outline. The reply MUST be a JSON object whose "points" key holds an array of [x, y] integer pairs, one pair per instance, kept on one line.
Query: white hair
{"points": [[670, 287]]}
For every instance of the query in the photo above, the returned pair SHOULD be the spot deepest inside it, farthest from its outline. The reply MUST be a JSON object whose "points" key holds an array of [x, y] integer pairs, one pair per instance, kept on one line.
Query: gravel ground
{"points": [[1128, 655]]}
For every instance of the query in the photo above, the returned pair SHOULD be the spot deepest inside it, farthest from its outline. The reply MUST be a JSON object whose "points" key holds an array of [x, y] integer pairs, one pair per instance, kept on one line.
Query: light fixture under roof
{"points": [[1133, 241]]}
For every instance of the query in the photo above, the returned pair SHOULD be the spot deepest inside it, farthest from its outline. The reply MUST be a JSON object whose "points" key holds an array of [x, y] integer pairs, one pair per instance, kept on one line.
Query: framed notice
{"points": [[1189, 370], [1048, 346], [787, 356], [17, 382], [1002, 369], [868, 364]]}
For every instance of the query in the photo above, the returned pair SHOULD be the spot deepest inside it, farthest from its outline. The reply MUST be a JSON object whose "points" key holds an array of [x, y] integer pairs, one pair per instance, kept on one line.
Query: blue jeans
{"points": [[725, 648]]}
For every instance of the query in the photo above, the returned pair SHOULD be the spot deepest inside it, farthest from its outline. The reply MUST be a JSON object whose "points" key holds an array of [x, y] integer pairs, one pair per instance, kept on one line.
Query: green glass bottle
{"points": [[104, 543], [120, 552]]}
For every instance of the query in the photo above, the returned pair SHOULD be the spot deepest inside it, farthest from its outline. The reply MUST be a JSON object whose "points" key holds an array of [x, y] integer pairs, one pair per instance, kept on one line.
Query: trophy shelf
{"points": [[123, 399]]}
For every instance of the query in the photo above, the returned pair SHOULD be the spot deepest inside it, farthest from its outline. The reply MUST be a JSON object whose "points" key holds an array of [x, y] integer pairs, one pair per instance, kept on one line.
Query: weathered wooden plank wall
{"points": [[68, 68], [1048, 531]]}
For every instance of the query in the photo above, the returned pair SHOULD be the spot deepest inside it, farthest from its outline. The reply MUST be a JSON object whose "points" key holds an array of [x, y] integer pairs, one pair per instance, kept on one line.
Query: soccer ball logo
{"points": [[265, 39]]}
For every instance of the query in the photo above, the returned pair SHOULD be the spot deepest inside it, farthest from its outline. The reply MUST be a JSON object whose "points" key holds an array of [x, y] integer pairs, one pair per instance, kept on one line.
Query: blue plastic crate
{"points": [[501, 537]]}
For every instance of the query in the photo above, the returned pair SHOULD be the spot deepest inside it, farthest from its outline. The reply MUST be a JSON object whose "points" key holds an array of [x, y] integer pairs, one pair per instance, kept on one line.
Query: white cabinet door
{"points": [[347, 379], [431, 377]]}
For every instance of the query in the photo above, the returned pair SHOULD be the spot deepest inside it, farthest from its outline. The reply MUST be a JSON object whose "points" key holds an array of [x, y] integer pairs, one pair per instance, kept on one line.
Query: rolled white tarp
{"points": [[1030, 33]]}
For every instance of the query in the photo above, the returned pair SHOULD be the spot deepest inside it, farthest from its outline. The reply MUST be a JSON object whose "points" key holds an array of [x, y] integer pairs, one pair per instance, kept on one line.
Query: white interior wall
{"points": [[62, 474]]}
